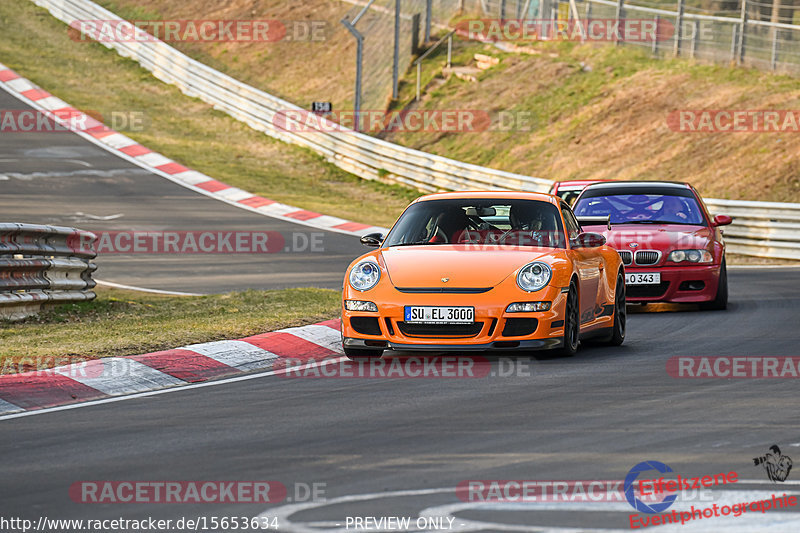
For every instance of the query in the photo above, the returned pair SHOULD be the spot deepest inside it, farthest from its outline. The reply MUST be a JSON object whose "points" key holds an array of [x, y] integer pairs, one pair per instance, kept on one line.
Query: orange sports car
{"points": [[483, 271]]}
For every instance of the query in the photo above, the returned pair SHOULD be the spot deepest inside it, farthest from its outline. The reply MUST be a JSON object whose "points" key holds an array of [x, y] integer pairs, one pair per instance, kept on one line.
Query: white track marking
{"points": [[6, 408], [115, 376], [20, 85], [215, 383], [154, 159], [238, 354], [320, 335], [142, 289]]}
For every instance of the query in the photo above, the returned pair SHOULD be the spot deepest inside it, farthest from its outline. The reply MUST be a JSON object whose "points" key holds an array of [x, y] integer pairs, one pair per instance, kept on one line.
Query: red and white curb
{"points": [[128, 149], [118, 376]]}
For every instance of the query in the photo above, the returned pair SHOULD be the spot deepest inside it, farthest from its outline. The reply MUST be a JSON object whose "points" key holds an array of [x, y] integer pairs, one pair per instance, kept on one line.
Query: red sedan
{"points": [[673, 251]]}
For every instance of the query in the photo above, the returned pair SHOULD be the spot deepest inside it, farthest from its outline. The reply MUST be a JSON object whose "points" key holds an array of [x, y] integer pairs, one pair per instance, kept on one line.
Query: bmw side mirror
{"points": [[721, 220], [588, 240], [372, 240]]}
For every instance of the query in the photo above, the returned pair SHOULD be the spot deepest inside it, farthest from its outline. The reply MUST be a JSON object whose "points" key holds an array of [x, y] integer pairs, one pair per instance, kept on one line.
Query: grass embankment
{"points": [[121, 322], [93, 78], [596, 111]]}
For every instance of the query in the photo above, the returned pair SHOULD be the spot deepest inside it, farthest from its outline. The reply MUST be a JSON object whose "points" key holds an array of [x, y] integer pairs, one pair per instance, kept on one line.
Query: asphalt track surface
{"points": [[389, 447], [62, 179], [590, 417]]}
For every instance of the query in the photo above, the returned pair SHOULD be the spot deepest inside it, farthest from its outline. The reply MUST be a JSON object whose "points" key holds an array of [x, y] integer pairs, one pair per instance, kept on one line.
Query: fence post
{"points": [[774, 60], [359, 60], [742, 33], [676, 50], [502, 11], [588, 15], [734, 29], [428, 16], [419, 77], [450, 51], [655, 40], [695, 32], [396, 60], [415, 21], [619, 15]]}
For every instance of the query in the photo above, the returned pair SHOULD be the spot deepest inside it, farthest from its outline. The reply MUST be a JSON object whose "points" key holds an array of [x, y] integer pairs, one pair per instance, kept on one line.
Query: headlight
{"points": [[693, 256], [365, 275], [360, 305], [528, 307], [534, 276]]}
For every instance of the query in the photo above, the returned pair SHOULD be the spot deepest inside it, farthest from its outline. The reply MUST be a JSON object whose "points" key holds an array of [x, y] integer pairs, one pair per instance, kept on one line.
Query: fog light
{"points": [[528, 307], [360, 305]]}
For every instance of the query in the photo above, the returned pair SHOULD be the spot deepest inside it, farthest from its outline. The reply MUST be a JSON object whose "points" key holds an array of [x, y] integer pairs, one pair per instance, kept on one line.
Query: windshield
{"points": [[642, 208], [479, 221]]}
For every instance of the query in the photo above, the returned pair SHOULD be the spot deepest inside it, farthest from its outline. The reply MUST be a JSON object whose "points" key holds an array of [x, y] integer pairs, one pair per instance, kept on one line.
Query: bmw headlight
{"points": [[365, 275], [692, 256], [533, 276]]}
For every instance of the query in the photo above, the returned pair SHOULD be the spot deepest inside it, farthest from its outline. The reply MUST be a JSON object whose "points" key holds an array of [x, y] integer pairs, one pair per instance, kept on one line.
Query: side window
{"points": [[572, 225]]}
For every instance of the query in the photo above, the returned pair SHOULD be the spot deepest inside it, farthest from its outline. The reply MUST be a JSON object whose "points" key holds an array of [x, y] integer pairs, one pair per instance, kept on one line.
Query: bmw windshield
{"points": [[649, 208]]}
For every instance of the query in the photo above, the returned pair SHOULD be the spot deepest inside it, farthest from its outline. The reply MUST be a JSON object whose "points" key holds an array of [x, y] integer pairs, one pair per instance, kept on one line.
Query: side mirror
{"points": [[721, 220], [588, 240], [372, 240]]}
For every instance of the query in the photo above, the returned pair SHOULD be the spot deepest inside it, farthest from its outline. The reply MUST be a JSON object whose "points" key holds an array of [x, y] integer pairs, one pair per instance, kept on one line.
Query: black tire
{"points": [[572, 323], [720, 302], [359, 354], [620, 313]]}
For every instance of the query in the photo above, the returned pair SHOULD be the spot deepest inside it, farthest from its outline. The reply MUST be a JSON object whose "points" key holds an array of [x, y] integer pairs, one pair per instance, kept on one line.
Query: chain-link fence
{"points": [[760, 33]]}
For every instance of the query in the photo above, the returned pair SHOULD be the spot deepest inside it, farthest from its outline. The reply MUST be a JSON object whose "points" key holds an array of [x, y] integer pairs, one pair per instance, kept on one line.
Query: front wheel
{"points": [[360, 354], [572, 325], [620, 314], [719, 303]]}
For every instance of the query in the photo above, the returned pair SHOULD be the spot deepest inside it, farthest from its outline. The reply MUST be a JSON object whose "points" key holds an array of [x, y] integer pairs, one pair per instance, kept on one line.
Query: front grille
{"points": [[647, 257], [444, 290], [519, 327], [440, 330], [626, 256], [366, 325], [646, 291]]}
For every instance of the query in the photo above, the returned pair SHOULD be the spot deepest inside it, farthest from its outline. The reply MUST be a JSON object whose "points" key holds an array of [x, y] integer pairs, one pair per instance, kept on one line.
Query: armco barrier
{"points": [[43, 264], [760, 228]]}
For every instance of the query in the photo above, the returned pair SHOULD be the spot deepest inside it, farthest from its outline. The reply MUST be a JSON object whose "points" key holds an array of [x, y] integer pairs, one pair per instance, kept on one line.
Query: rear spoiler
{"points": [[595, 221]]}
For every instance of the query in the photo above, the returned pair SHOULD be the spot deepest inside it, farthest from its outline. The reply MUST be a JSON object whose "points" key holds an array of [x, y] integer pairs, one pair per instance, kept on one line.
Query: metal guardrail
{"points": [[43, 264], [760, 228]]}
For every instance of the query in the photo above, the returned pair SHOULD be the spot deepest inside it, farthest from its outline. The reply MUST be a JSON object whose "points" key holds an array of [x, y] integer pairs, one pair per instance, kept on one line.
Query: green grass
{"points": [[93, 78], [121, 322]]}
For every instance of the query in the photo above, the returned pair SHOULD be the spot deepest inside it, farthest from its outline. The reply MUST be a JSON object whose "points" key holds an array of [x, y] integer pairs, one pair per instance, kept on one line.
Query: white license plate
{"points": [[643, 278], [439, 315]]}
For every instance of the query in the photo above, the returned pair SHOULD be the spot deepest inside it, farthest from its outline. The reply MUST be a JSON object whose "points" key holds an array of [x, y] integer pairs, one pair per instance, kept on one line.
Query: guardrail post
{"points": [[502, 11], [742, 34], [774, 59], [415, 45], [620, 12], [695, 32], [676, 50], [733, 42]]}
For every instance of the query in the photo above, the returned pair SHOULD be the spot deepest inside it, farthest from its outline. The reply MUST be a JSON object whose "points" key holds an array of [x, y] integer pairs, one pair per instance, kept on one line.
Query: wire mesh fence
{"points": [[764, 34]]}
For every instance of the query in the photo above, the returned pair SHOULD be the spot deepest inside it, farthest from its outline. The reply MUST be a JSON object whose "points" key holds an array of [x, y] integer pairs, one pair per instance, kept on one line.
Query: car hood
{"points": [[663, 237], [425, 266]]}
